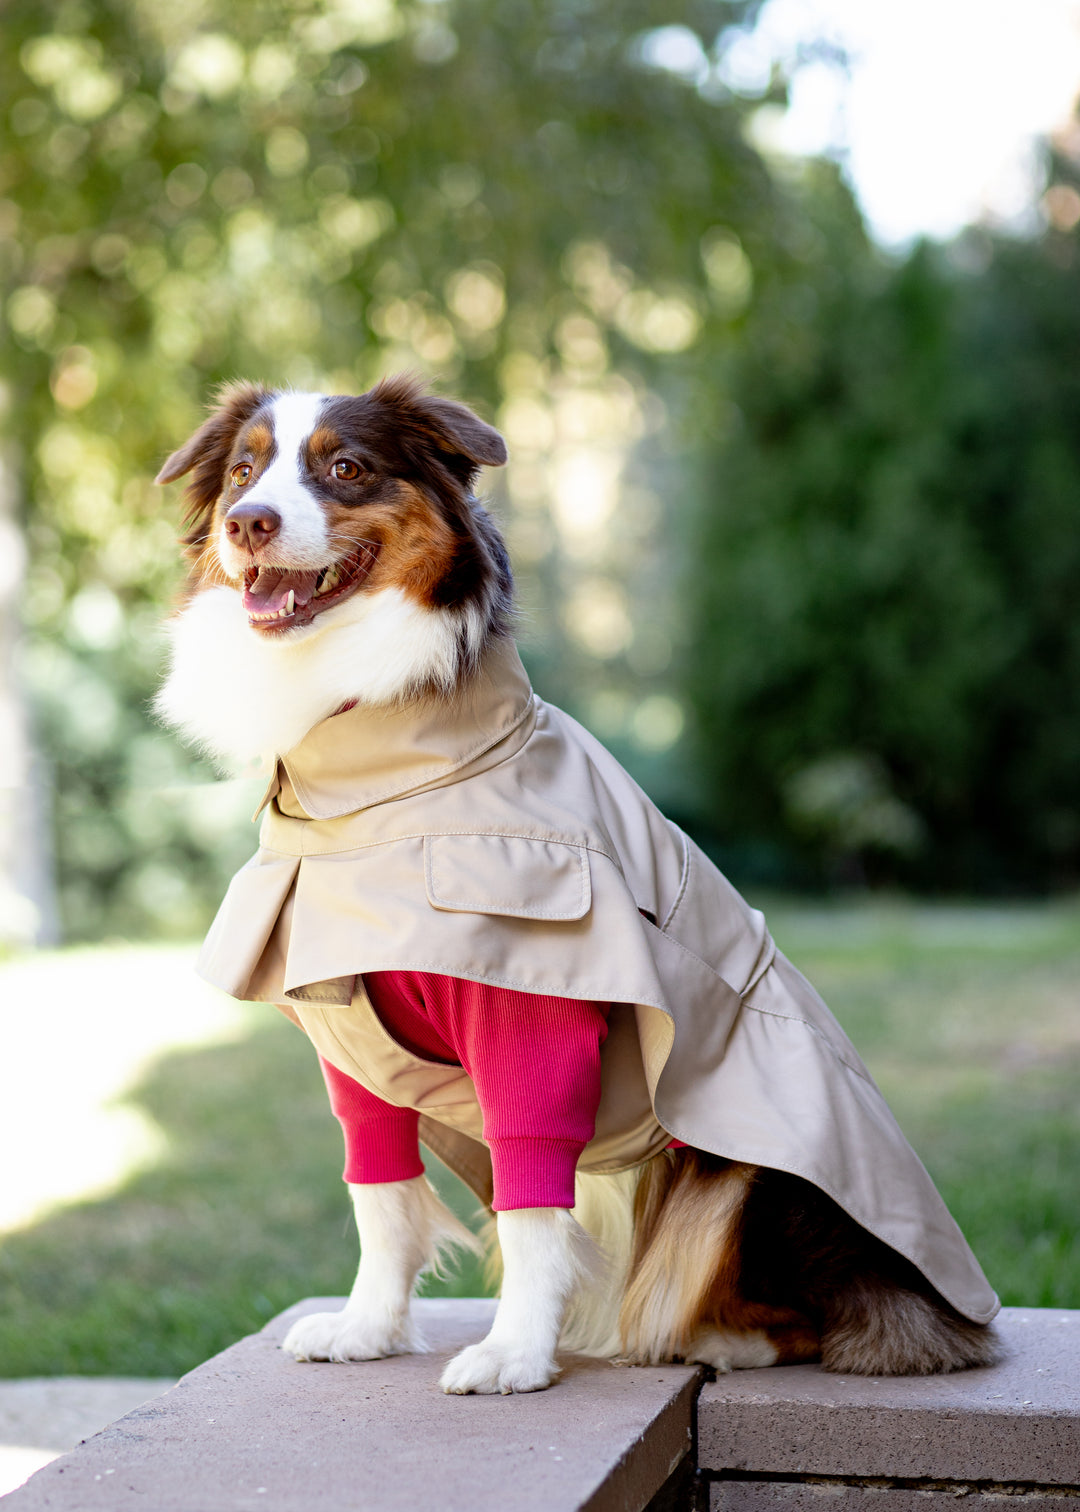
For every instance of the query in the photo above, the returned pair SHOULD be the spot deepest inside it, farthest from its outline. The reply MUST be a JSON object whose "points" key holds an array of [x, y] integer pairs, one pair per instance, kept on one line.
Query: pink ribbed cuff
{"points": [[383, 1149], [534, 1172]]}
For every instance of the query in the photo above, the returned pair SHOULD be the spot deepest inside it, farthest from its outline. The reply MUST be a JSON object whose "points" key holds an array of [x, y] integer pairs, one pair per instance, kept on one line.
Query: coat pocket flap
{"points": [[507, 874]]}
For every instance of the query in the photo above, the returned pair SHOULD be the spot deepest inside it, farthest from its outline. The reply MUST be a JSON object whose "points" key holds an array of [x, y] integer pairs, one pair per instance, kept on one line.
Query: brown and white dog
{"points": [[369, 573], [346, 514]]}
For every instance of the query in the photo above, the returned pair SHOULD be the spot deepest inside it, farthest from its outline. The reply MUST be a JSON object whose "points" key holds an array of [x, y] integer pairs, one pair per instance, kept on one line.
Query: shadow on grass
{"points": [[245, 1214]]}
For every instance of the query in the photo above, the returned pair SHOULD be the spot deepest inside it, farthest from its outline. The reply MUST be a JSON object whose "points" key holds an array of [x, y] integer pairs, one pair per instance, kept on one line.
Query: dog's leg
{"points": [[604, 1207], [403, 1227], [729, 1349], [756, 1336], [544, 1254]]}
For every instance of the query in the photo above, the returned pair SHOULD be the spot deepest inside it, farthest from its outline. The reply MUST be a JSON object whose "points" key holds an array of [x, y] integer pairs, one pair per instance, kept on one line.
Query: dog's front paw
{"points": [[348, 1335], [488, 1368]]}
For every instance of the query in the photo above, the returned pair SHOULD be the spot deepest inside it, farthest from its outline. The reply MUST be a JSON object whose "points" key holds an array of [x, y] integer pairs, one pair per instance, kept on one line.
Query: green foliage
{"points": [[887, 677], [887, 672]]}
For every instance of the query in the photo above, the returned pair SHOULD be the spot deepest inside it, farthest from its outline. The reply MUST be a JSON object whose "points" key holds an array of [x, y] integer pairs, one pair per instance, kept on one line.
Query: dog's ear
{"points": [[212, 442], [443, 430], [208, 451], [465, 433]]}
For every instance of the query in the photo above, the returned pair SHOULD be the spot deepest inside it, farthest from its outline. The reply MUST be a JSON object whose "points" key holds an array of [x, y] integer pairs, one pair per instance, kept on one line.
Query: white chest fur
{"points": [[244, 697]]}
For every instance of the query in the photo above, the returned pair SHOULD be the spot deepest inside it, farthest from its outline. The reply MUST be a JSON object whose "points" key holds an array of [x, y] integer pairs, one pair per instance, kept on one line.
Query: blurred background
{"points": [[778, 307]]}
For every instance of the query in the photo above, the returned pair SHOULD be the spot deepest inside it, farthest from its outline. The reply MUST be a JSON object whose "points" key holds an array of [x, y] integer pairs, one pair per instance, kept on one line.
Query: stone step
{"points": [[788, 1437], [252, 1429]]}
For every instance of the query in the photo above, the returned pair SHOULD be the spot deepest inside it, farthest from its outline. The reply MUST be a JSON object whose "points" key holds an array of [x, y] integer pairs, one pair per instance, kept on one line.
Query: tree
{"points": [[891, 683]]}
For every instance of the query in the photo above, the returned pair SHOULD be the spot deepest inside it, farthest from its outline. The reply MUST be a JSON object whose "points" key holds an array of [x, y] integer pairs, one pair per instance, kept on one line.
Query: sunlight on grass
{"points": [[241, 1210], [78, 1030]]}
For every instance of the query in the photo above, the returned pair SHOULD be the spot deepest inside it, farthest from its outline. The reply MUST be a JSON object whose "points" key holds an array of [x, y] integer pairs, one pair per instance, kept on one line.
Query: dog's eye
{"points": [[241, 474], [346, 470]]}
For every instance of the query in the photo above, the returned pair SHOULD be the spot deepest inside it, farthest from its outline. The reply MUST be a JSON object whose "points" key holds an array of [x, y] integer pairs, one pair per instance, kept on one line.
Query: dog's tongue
{"points": [[270, 590]]}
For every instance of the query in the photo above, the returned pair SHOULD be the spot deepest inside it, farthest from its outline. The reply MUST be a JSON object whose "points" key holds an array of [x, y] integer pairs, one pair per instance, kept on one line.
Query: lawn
{"points": [[968, 1016]]}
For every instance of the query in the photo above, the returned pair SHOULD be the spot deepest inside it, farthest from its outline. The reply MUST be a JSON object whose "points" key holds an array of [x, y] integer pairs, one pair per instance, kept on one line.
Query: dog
{"points": [[348, 594]]}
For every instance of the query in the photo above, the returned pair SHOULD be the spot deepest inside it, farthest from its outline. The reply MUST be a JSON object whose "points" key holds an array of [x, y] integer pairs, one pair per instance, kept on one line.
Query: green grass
{"points": [[968, 1017]]}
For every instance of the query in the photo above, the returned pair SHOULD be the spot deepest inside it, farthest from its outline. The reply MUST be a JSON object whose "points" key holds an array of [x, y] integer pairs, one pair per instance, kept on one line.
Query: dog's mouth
{"points": [[282, 598]]}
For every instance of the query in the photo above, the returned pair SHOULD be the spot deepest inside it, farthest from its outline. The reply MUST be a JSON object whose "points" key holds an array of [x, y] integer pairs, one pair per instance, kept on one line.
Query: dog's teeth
{"points": [[290, 604]]}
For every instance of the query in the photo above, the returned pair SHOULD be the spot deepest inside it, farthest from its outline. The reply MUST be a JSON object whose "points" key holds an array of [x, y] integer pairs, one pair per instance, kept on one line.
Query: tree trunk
{"points": [[27, 896]]}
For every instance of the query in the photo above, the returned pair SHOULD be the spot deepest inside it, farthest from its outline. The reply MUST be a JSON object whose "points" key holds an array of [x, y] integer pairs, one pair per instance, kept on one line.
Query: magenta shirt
{"points": [[535, 1063]]}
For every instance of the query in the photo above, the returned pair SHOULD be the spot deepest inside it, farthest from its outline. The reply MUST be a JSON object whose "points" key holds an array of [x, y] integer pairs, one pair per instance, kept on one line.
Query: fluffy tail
{"points": [[874, 1328], [875, 1312]]}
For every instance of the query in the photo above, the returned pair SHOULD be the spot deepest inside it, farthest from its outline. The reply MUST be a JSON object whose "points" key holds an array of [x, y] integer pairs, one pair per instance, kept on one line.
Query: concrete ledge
{"points": [[252, 1429], [1013, 1428]]}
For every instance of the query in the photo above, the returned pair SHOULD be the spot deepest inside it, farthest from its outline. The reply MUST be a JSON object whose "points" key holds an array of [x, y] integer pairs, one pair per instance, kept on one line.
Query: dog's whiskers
{"points": [[336, 538]]}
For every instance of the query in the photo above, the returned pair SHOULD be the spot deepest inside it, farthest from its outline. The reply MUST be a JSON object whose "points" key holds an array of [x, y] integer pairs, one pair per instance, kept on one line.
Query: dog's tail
{"points": [[875, 1327], [876, 1313]]}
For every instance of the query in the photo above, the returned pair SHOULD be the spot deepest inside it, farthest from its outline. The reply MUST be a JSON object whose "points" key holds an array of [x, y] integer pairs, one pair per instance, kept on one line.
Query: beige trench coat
{"points": [[495, 839]]}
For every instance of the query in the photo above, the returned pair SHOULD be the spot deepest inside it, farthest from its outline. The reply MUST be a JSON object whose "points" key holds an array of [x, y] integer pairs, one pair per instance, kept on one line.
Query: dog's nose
{"points": [[250, 526]]}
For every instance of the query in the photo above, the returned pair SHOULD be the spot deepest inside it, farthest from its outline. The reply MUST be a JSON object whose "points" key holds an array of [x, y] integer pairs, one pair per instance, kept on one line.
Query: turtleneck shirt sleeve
{"points": [[535, 1063]]}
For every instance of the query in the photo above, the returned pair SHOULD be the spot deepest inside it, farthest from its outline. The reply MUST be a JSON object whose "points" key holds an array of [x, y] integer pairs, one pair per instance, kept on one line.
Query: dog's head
{"points": [[311, 514], [308, 504]]}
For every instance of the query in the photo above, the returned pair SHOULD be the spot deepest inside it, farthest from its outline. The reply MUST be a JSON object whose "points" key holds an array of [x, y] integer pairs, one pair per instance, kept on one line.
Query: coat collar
{"points": [[363, 756]]}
